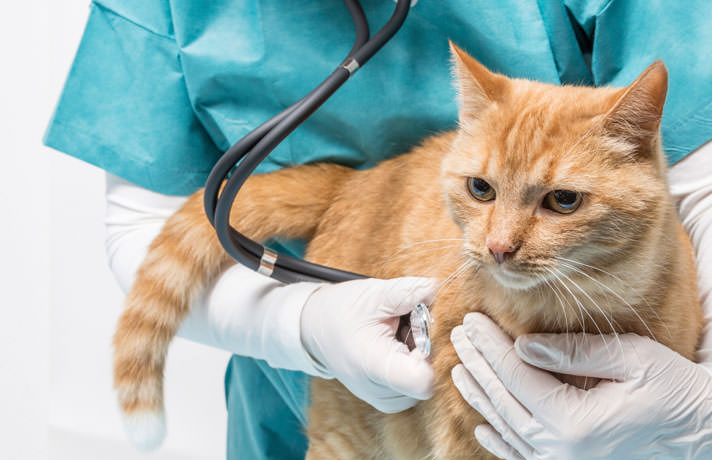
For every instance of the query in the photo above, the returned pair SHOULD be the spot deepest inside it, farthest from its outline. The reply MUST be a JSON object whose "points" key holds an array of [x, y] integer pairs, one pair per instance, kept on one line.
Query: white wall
{"points": [[59, 300]]}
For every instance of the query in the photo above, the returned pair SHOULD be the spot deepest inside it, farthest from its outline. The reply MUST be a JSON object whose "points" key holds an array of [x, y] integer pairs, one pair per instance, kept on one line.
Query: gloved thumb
{"points": [[405, 372], [600, 356], [401, 295]]}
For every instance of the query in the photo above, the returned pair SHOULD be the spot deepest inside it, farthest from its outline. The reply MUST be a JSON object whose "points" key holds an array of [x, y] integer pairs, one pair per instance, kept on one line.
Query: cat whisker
{"points": [[561, 303], [591, 267], [444, 259], [439, 240], [437, 267], [576, 270], [581, 272], [447, 259], [617, 296], [624, 284], [595, 304], [582, 307], [464, 266], [456, 273], [417, 252], [451, 275], [580, 316]]}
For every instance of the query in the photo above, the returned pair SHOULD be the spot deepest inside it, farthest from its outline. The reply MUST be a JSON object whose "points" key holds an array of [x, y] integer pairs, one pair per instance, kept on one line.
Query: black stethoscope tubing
{"points": [[241, 159]]}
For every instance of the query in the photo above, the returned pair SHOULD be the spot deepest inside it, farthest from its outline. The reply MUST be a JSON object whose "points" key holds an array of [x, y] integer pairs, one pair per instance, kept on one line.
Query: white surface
{"points": [[85, 302], [59, 300], [24, 242]]}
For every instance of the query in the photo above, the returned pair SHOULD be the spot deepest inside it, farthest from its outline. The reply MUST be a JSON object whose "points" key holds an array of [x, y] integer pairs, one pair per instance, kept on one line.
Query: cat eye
{"points": [[562, 201], [480, 189]]}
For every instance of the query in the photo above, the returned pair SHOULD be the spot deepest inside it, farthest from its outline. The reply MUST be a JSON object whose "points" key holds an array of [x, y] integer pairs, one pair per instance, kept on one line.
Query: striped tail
{"points": [[185, 258]]}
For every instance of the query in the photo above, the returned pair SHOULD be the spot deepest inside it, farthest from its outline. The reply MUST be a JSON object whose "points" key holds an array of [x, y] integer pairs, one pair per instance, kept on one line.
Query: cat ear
{"points": [[477, 86], [637, 110]]}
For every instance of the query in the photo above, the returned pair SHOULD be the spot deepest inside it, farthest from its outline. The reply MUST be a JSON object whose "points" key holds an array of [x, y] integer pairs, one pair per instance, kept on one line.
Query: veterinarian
{"points": [[160, 88]]}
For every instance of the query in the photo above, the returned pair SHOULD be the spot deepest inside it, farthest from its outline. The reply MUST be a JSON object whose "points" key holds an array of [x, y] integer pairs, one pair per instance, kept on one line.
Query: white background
{"points": [[59, 300]]}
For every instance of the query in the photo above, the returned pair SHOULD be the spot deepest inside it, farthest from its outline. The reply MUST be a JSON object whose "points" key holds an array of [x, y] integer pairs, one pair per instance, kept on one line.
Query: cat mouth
{"points": [[512, 279]]}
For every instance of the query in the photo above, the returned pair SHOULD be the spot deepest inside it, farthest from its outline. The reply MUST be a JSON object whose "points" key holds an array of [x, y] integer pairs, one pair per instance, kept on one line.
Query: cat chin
{"points": [[512, 280]]}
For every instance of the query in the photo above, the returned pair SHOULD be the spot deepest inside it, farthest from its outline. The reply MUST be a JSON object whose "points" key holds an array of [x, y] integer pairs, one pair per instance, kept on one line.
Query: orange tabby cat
{"points": [[547, 209]]}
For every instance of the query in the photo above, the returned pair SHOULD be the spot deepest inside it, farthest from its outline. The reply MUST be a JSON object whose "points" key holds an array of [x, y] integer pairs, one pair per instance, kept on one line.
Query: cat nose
{"points": [[501, 251]]}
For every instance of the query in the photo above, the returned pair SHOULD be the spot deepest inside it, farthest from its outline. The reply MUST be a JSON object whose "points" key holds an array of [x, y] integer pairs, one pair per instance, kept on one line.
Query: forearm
{"points": [[242, 312], [349, 327], [691, 184]]}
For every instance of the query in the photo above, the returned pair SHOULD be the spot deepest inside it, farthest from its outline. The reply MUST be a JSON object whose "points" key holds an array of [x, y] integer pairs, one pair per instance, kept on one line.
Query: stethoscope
{"points": [[238, 162]]}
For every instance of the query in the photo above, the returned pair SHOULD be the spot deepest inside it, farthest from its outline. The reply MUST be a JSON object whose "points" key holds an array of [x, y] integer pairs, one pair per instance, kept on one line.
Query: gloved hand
{"points": [[349, 329], [656, 404]]}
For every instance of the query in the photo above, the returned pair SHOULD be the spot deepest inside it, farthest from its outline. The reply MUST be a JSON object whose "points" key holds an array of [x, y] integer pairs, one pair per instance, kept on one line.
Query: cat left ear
{"points": [[638, 109], [477, 86]]}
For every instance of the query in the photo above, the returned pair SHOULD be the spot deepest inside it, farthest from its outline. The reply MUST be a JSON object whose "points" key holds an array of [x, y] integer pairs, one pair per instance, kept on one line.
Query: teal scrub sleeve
{"points": [[623, 37], [125, 107]]}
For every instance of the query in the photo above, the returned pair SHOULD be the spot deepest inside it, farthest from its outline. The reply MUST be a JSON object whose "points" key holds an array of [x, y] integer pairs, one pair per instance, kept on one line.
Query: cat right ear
{"points": [[477, 86], [638, 109]]}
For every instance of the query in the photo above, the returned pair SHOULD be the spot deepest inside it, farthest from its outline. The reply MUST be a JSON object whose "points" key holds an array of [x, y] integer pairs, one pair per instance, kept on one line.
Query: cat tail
{"points": [[183, 259]]}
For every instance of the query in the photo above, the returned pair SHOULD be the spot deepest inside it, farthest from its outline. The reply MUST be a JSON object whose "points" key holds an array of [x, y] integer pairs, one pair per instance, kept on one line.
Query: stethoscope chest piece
{"points": [[420, 323]]}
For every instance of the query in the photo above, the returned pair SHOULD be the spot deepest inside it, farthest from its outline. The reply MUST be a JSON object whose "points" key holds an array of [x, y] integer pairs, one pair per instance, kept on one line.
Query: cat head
{"points": [[539, 174]]}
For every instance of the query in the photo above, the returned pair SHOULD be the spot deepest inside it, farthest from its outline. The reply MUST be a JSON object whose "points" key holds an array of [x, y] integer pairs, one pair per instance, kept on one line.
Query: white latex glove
{"points": [[691, 185], [349, 328], [655, 404], [249, 314], [243, 312]]}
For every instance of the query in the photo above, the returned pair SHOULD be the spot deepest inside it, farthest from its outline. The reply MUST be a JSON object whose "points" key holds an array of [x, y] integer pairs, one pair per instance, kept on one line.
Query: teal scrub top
{"points": [[159, 88]]}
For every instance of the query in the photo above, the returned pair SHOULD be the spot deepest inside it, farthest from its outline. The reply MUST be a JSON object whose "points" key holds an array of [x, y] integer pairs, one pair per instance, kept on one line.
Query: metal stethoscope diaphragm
{"points": [[414, 329], [420, 322]]}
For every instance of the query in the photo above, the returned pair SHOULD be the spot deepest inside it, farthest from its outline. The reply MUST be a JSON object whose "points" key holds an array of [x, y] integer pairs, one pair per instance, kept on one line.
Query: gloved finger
{"points": [[401, 295], [393, 404], [587, 354], [531, 386], [491, 440], [477, 398], [504, 403], [405, 372]]}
